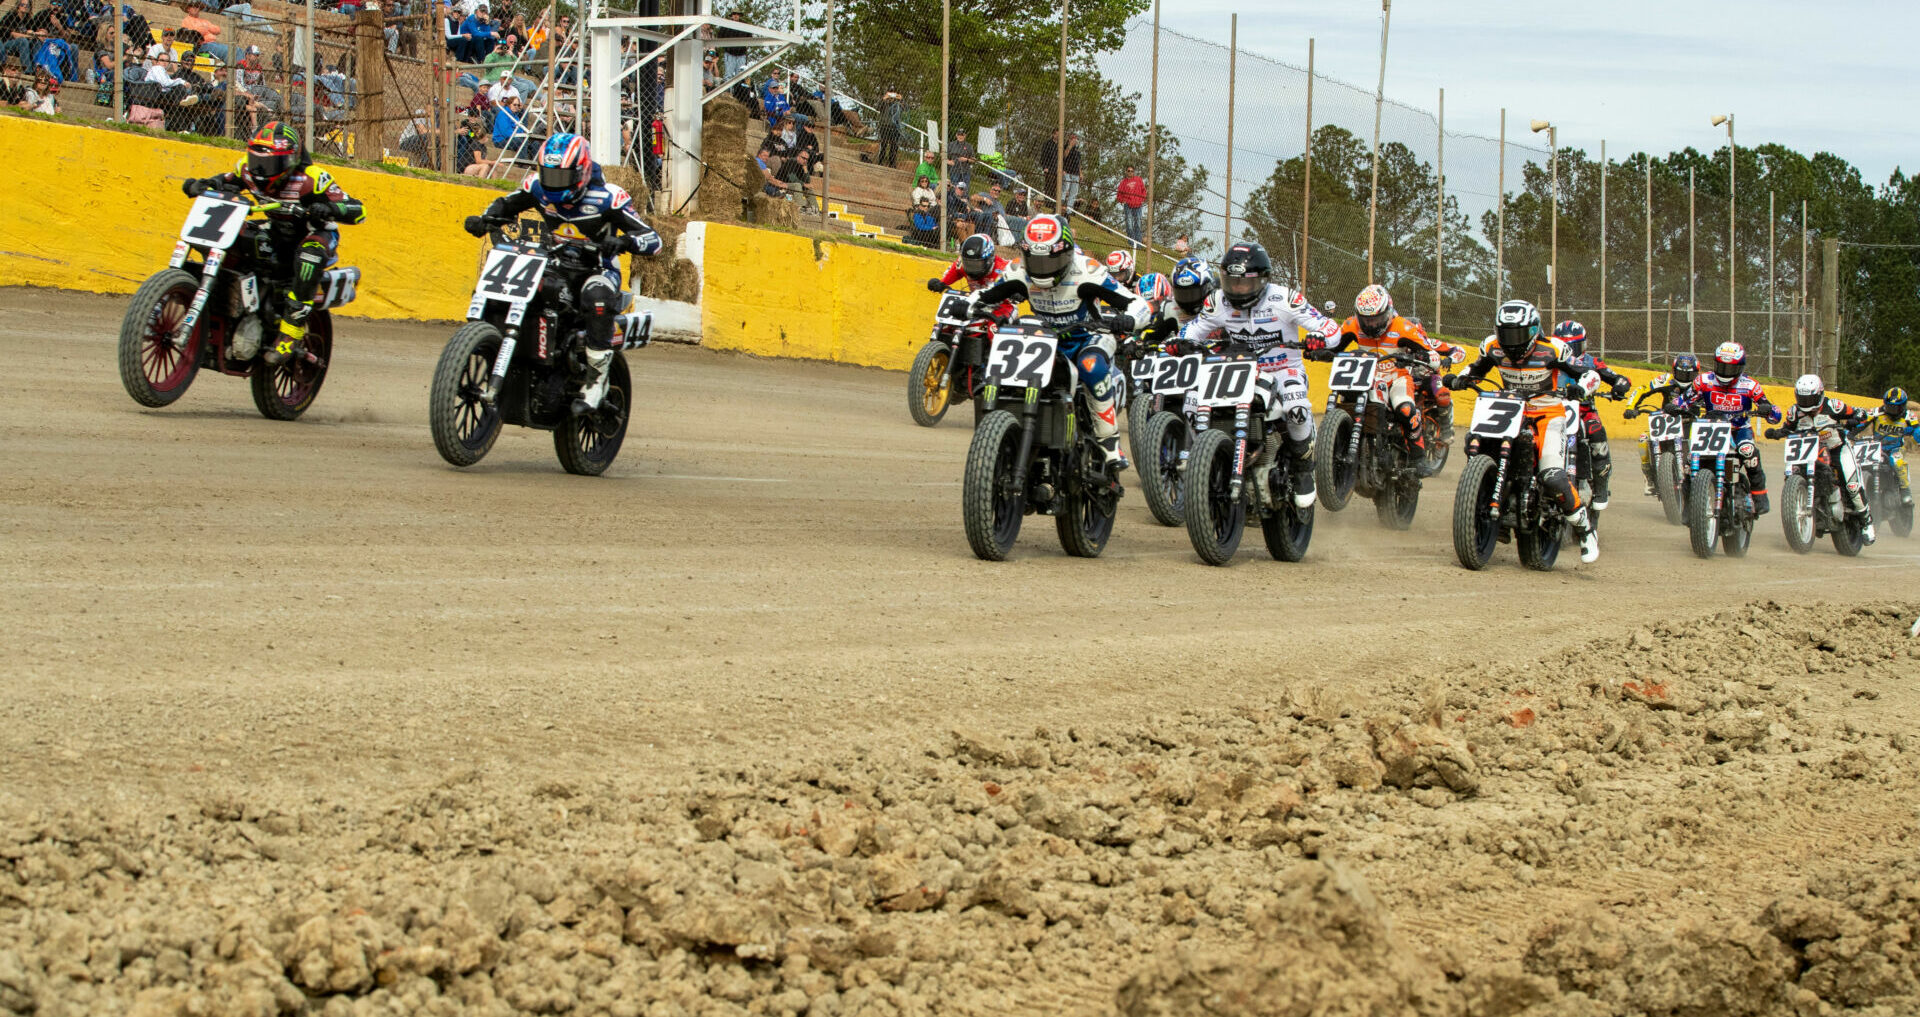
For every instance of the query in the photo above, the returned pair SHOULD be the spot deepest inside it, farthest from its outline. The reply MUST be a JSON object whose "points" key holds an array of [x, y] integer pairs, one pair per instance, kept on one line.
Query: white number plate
{"points": [[1869, 453], [510, 275], [1352, 372], [1020, 360], [1801, 449], [1496, 417], [1228, 382], [1176, 375], [213, 222], [953, 311], [1711, 438], [1663, 427]]}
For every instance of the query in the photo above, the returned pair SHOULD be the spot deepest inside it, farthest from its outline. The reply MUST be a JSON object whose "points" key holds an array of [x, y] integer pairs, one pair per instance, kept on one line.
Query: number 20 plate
{"points": [[1495, 417]]}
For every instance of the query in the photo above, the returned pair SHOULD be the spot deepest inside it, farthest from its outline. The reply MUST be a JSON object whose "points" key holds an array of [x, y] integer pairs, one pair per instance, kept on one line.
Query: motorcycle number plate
{"points": [[1868, 453], [1711, 438], [1227, 382], [1020, 359], [510, 275], [213, 223], [1497, 417], [1352, 372], [1663, 427], [1801, 448], [953, 311], [1176, 375]]}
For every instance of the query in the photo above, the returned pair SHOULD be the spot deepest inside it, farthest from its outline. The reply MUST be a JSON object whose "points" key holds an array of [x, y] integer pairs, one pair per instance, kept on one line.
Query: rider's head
{"points": [[274, 152], [1120, 266], [1244, 272], [1686, 367], [1154, 287], [1049, 250], [1809, 391], [1729, 359], [1374, 308], [1193, 283], [1516, 325], [566, 167], [1894, 403], [976, 256], [1574, 335]]}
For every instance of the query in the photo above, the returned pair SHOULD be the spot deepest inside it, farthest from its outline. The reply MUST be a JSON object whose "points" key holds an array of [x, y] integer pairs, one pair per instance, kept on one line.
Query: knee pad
{"points": [[1601, 452], [1554, 480], [1094, 368], [1750, 453], [1103, 389], [313, 257]]}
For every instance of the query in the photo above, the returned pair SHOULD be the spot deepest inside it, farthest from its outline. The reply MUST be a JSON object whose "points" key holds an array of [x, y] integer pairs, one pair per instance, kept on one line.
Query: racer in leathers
{"points": [[1728, 393], [1268, 318], [1378, 329], [1062, 286], [1890, 424], [1813, 410], [981, 265], [1573, 335], [1530, 365], [1675, 389], [573, 198], [301, 230]]}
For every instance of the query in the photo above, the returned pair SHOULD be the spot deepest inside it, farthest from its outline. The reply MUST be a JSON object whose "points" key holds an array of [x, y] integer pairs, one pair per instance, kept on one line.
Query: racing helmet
{"points": [[1193, 282], [1120, 266], [1574, 335], [976, 256], [1686, 367], [1244, 273], [1516, 325], [273, 152], [1894, 404], [1374, 308], [1809, 391], [1153, 286], [565, 167], [1729, 360], [1049, 249]]}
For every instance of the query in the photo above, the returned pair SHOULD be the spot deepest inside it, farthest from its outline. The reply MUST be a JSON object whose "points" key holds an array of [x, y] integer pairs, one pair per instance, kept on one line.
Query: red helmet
{"points": [[1120, 266], [274, 152], [1049, 249]]}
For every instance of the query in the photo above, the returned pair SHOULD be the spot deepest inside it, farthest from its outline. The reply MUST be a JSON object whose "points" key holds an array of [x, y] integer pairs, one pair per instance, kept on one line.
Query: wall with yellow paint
{"points": [[99, 210]]}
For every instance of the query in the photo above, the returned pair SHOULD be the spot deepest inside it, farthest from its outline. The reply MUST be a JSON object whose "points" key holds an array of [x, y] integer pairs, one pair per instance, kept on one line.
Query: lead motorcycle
{"points": [[1034, 450], [520, 357], [1229, 476], [1499, 498], [1811, 503], [219, 295], [1361, 449], [949, 366]]}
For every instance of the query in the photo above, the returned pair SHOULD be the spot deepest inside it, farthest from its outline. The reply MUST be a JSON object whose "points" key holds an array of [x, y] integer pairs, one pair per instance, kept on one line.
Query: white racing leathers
{"points": [[1070, 306]]}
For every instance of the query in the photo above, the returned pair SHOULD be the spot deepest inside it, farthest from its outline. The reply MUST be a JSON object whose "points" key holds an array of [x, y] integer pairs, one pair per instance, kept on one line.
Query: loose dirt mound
{"points": [[1621, 828]]}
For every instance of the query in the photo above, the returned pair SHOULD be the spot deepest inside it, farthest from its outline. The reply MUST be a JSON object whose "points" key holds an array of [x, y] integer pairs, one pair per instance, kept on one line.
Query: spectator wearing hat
{"points": [[775, 103], [893, 127], [924, 226], [481, 35], [22, 28], [784, 158], [960, 159], [200, 32]]}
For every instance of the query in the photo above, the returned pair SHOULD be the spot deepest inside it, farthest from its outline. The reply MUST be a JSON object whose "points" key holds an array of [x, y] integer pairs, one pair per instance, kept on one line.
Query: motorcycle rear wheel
{"points": [[283, 391], [1333, 473], [929, 391], [1396, 500], [153, 370], [1437, 450], [1158, 461], [1891, 510], [1288, 529], [465, 427], [1215, 519], [992, 498], [1796, 513], [586, 444], [1475, 530]]}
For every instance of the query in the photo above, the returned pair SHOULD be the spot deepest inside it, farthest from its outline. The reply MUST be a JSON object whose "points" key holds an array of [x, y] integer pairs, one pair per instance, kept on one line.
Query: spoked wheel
{"points": [[1159, 463], [154, 371], [1334, 470], [1475, 530], [1438, 449], [1670, 485], [1738, 533], [1796, 513], [587, 444], [928, 388], [1215, 518], [283, 391], [993, 496], [464, 425]]}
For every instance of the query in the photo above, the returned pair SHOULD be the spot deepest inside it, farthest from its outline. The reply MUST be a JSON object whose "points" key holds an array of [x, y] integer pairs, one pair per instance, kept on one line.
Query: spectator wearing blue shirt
{"points": [[507, 125], [481, 34], [57, 55]]}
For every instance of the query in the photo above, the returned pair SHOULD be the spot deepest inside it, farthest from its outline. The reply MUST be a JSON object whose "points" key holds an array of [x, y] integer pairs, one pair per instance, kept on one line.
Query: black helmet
{"points": [[1244, 273], [1686, 367], [976, 256], [1516, 325]]}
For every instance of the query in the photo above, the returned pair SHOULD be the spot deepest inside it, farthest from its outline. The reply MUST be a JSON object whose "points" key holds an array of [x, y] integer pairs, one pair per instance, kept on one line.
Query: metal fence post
{"points": [[1690, 259], [1306, 185], [1233, 61], [1153, 128], [1060, 148], [940, 143], [1603, 247], [1773, 278], [1379, 104], [1500, 221], [307, 71], [826, 131], [1440, 217]]}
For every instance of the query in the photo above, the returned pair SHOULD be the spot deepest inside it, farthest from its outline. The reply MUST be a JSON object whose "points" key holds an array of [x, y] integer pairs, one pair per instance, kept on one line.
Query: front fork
{"points": [[1240, 411], [500, 361], [208, 274], [1500, 477], [1359, 418]]}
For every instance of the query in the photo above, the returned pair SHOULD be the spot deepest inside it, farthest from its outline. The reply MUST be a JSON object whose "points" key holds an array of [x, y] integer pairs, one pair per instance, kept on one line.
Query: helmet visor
{"points": [[1048, 264], [1809, 400], [560, 178], [1243, 287], [270, 165], [1375, 324], [1189, 296], [976, 267], [1515, 338], [1728, 368], [1684, 375]]}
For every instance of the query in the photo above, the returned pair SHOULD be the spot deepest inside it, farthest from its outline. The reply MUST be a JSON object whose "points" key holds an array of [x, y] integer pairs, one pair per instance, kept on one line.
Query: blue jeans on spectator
{"points": [[19, 45], [1136, 227], [218, 50]]}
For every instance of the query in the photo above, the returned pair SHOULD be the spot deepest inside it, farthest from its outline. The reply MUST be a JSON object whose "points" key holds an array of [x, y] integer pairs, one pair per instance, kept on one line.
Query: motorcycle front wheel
{"points": [[1215, 518], [1475, 530], [1670, 485], [1085, 520], [153, 370], [993, 495], [1897, 514], [1737, 535], [464, 425], [1334, 472], [1158, 460], [1703, 526], [587, 443], [1796, 513]]}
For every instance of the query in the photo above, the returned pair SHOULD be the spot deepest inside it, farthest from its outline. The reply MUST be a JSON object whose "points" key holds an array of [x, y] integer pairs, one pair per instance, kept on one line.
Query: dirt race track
{"points": [[296, 718]]}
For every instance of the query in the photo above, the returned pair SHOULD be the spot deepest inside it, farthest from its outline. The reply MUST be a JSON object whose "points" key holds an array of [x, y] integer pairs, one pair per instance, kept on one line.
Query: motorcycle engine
{"points": [[245, 341], [549, 396]]}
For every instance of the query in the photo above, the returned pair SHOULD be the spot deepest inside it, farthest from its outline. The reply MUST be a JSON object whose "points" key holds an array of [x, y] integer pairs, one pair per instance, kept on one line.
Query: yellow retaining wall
{"points": [[99, 210]]}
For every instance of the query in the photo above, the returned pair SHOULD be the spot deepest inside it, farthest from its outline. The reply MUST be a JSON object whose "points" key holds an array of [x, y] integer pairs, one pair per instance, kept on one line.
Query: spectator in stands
{"points": [[733, 59], [960, 159], [503, 88], [958, 210], [196, 30], [810, 143], [163, 48], [1070, 169], [509, 131], [784, 159], [481, 35], [893, 128], [929, 166], [452, 33], [1181, 246], [470, 148], [774, 102], [41, 96], [1132, 197], [22, 29], [57, 56], [925, 226], [516, 32], [501, 57], [922, 188]]}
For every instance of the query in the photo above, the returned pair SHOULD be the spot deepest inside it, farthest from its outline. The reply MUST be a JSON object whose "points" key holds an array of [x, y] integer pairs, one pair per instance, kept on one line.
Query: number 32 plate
{"points": [[1020, 359]]}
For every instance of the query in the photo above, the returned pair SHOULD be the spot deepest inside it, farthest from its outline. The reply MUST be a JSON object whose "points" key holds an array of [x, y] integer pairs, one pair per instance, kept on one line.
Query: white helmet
{"points": [[1809, 391]]}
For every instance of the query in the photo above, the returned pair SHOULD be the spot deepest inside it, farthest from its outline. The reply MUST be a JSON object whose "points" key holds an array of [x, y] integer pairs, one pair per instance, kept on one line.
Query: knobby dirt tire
{"points": [[285, 390], [1158, 461], [1335, 482], [1735, 539], [1703, 528], [587, 444], [929, 390], [1796, 513], [464, 428], [1475, 532], [1670, 485], [153, 372], [1215, 521], [990, 514]]}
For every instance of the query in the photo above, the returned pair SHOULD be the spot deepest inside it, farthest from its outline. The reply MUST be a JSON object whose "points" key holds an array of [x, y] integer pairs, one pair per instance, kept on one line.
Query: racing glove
{"points": [[322, 211], [1452, 382], [194, 187], [935, 285], [1620, 389], [1314, 344], [477, 225], [1119, 323], [1630, 414], [1774, 432], [614, 243]]}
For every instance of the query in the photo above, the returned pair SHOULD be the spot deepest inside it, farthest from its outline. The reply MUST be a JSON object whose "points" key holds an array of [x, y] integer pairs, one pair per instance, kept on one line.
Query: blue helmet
{"points": [[565, 167], [1193, 282]]}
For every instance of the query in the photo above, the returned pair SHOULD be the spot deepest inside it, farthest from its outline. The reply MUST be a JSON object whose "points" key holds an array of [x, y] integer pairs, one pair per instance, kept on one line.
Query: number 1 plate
{"points": [[213, 223], [1496, 417]]}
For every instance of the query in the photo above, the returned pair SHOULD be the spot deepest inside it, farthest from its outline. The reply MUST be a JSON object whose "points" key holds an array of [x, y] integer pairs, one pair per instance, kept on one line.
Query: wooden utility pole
{"points": [[1306, 184], [826, 129], [946, 130], [1827, 347], [1233, 61], [369, 49], [1153, 127], [1379, 103], [1603, 246], [1500, 221], [1060, 149], [1440, 217]]}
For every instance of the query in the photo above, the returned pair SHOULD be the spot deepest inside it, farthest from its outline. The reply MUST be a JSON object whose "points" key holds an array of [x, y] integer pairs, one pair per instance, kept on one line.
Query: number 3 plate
{"points": [[1020, 360], [1495, 417], [213, 222], [510, 275]]}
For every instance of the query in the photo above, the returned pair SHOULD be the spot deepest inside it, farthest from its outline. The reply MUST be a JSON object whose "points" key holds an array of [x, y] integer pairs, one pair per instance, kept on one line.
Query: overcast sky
{"points": [[1837, 75]]}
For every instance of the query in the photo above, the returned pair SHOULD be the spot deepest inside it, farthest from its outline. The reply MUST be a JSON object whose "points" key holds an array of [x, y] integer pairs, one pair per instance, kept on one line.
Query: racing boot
{"points": [[598, 298], [1300, 470], [1410, 420], [1602, 475], [1589, 537], [1906, 493], [1103, 406], [1646, 465], [594, 389], [1758, 478], [293, 332]]}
